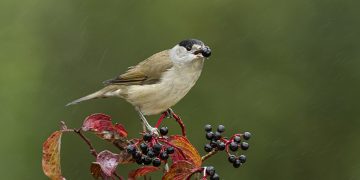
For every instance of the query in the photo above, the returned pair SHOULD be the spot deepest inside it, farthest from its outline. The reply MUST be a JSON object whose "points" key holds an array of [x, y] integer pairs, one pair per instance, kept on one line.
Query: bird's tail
{"points": [[105, 92]]}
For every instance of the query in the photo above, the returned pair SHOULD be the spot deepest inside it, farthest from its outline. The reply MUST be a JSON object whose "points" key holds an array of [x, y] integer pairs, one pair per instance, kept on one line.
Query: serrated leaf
{"points": [[51, 156], [102, 126], [142, 171], [187, 150], [108, 162], [180, 170]]}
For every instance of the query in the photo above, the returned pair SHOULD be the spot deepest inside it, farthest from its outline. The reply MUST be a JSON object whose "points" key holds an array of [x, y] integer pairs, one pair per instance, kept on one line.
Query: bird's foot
{"points": [[155, 132], [147, 126], [169, 113]]}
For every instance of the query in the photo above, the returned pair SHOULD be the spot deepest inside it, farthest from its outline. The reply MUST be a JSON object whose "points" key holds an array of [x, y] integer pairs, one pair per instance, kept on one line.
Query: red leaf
{"points": [[180, 170], [142, 172], [96, 171], [125, 157], [187, 150], [101, 125], [51, 156], [119, 128], [108, 162]]}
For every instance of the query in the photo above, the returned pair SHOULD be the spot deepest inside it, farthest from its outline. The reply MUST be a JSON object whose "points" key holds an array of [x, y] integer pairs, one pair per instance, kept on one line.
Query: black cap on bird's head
{"points": [[189, 43]]}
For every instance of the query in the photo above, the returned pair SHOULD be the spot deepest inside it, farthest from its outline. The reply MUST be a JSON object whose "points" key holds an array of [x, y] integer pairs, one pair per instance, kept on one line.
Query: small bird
{"points": [[156, 84]]}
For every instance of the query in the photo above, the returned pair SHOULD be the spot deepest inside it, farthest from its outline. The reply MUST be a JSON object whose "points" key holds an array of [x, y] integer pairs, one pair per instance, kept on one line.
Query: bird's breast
{"points": [[174, 85]]}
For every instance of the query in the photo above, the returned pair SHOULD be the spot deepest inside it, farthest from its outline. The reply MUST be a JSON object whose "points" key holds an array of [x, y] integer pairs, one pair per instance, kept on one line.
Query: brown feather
{"points": [[148, 71]]}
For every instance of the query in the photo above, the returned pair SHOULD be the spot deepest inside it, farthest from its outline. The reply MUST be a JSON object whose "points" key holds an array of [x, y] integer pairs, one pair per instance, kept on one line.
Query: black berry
{"points": [[170, 150], [210, 170], [215, 177], [147, 137], [131, 149], [157, 147], [208, 148], [237, 163], [232, 158], [244, 146], [209, 135], [164, 131], [137, 155], [139, 160], [156, 153], [208, 128], [237, 139], [213, 144], [233, 146], [242, 158], [217, 135], [164, 155], [221, 128], [144, 148], [147, 160], [156, 162], [247, 135], [221, 146], [151, 153]]}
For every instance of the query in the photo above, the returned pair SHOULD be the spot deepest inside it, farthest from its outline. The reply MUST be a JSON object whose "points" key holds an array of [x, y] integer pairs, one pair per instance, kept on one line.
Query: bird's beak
{"points": [[204, 51]]}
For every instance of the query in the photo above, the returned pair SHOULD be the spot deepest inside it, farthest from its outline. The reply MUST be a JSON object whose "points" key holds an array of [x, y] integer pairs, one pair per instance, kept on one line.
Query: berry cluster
{"points": [[220, 143], [235, 142], [149, 151], [214, 138]]}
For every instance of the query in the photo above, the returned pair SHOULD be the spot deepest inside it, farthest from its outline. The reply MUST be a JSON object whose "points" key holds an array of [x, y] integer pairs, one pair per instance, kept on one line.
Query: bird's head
{"points": [[189, 50]]}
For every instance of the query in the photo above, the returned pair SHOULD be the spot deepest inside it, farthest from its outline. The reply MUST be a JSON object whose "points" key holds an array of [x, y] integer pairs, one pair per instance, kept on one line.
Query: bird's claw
{"points": [[155, 131], [169, 113]]}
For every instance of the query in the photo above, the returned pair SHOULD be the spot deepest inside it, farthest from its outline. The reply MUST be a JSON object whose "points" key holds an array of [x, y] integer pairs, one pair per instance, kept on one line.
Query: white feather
{"points": [[174, 85]]}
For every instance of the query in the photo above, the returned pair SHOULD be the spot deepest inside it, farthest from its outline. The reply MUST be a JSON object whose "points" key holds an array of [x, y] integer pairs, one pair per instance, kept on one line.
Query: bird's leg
{"points": [[147, 125], [178, 120]]}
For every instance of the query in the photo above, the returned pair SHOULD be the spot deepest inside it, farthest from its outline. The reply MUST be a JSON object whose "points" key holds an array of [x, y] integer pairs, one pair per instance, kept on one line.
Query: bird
{"points": [[156, 84]]}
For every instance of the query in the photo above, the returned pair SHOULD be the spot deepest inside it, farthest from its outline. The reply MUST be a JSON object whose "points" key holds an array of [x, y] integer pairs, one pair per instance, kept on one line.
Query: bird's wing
{"points": [[148, 71]]}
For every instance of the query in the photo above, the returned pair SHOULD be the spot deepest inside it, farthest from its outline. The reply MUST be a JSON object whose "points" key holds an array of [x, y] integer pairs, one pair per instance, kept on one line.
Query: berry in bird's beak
{"points": [[206, 51]]}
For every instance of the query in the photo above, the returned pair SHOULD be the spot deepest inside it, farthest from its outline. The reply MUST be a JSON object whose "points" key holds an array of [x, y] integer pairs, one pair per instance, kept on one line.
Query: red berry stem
{"points": [[163, 115], [208, 155], [176, 117], [181, 123], [87, 141]]}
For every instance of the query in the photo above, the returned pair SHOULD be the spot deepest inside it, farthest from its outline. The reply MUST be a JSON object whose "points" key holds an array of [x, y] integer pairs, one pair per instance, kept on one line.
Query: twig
{"points": [[116, 175], [176, 117], [64, 127], [87, 141], [208, 155], [181, 123], [160, 120]]}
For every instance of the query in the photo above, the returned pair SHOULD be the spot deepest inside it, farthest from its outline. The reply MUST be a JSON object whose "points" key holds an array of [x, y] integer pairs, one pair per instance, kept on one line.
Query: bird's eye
{"points": [[188, 48]]}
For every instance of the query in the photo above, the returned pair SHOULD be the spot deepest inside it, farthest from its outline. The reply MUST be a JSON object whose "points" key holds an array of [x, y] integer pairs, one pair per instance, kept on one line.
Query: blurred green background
{"points": [[287, 71]]}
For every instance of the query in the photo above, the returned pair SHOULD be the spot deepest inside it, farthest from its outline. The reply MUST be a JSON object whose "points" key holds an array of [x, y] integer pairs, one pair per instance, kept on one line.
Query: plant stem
{"points": [[181, 123], [87, 141], [208, 155]]}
